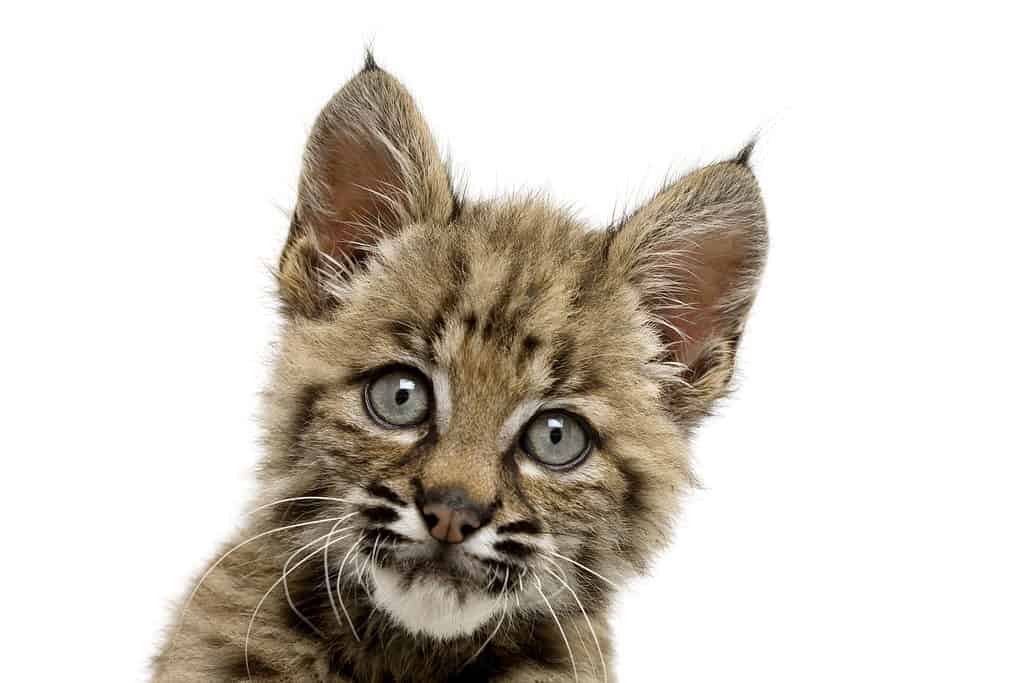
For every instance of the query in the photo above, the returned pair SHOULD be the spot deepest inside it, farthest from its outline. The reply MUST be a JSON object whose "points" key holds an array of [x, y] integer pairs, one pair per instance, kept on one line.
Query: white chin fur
{"points": [[429, 607]]}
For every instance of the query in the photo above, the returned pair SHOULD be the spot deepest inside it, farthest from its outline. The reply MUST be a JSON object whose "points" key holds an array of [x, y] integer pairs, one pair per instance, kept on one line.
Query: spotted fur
{"points": [[507, 307]]}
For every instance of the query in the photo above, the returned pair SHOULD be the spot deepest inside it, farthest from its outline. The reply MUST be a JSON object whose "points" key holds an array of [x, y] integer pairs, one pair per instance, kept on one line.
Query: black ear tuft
{"points": [[370, 64], [743, 157]]}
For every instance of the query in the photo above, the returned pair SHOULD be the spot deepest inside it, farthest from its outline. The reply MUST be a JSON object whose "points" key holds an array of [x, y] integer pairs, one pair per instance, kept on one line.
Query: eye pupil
{"points": [[555, 435], [401, 396]]}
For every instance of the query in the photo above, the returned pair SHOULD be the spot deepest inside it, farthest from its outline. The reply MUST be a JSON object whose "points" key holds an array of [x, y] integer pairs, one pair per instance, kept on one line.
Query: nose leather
{"points": [[453, 524], [450, 514]]}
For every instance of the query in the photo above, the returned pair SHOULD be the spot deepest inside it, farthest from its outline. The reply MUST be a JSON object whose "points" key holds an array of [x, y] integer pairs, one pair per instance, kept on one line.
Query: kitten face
{"points": [[492, 401], [497, 334]]}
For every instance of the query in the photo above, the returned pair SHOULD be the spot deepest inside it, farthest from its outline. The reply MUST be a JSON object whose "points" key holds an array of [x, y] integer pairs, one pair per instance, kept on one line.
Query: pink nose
{"points": [[450, 524], [451, 514]]}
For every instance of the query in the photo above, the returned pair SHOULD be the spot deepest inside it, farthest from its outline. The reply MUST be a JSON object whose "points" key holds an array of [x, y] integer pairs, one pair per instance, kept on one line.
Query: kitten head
{"points": [[493, 401]]}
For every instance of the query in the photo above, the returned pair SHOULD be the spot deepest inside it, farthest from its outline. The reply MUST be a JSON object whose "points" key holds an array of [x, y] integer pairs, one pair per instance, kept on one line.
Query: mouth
{"points": [[436, 589], [442, 564], [439, 593]]}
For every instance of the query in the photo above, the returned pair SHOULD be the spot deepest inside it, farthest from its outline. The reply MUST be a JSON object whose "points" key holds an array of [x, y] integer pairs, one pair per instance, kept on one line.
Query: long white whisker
{"points": [[504, 613], [296, 499], [596, 641], [365, 565], [287, 591], [326, 582], [585, 569], [571, 657], [340, 573], [344, 561], [258, 536], [252, 620], [373, 556], [371, 563]]}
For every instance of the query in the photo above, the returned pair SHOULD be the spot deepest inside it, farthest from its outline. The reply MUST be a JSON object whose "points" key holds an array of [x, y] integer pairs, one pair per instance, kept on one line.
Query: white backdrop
{"points": [[861, 512]]}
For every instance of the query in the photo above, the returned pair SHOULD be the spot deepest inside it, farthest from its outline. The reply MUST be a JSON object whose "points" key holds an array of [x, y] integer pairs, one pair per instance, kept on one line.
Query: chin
{"points": [[429, 599]]}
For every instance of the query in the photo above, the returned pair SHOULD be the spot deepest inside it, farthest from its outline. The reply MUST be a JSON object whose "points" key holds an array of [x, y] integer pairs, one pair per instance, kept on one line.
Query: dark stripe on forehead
{"points": [[588, 380], [530, 343], [435, 329], [497, 323], [516, 317], [401, 332], [561, 367]]}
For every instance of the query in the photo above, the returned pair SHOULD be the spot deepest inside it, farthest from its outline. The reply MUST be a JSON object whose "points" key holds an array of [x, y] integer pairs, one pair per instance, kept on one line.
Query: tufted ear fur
{"points": [[370, 167], [695, 252]]}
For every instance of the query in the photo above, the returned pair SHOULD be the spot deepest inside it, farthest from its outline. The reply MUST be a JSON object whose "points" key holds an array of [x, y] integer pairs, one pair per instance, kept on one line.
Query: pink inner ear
{"points": [[364, 194], [707, 273]]}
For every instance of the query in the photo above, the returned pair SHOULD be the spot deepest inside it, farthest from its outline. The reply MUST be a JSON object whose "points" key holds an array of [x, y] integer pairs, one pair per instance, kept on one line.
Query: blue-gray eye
{"points": [[557, 439], [398, 398]]}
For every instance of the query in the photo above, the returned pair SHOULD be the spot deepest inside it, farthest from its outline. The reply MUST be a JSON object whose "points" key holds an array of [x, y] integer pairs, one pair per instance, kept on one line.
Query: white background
{"points": [[861, 513]]}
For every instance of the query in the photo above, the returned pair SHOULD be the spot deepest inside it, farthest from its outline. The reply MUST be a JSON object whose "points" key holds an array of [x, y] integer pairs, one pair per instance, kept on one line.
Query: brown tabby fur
{"points": [[634, 327]]}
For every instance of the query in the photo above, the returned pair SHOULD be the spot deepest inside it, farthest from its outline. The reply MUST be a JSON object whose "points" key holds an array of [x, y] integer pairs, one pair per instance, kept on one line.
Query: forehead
{"points": [[511, 300]]}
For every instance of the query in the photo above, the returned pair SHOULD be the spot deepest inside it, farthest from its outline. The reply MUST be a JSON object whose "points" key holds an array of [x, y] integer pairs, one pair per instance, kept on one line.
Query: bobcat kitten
{"points": [[478, 420]]}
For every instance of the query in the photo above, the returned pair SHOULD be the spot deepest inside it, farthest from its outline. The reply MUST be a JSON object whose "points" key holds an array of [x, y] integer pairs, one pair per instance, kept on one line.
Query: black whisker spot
{"points": [[378, 514], [381, 491], [523, 526], [514, 549]]}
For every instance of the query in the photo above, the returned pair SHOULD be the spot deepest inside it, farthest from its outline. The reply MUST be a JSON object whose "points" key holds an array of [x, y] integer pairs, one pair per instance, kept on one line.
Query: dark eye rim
{"points": [[591, 439], [376, 374]]}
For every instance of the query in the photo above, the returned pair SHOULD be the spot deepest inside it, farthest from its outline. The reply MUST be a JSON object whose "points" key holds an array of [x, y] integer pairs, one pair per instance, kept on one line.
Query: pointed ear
{"points": [[695, 252], [370, 168]]}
